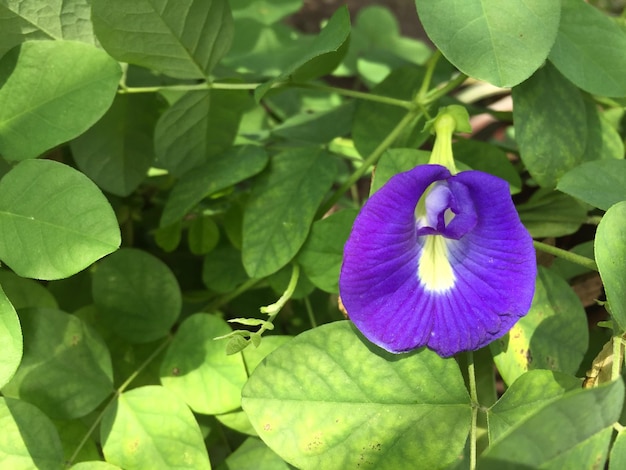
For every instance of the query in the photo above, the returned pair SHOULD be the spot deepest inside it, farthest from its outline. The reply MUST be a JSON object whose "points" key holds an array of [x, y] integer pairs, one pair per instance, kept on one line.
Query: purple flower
{"points": [[438, 260]]}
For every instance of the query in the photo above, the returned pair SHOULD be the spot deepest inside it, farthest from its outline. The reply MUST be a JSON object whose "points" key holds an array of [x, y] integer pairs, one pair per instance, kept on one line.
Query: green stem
{"points": [[616, 369], [368, 162], [309, 311], [474, 398], [216, 304], [115, 396], [357, 94], [273, 309], [435, 94], [428, 76], [566, 255]]}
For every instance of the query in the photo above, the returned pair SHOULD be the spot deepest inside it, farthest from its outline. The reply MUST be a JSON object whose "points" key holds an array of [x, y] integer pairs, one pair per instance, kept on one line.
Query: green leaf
{"points": [[374, 121], [150, 427], [572, 432], [610, 249], [94, 465], [183, 41], [322, 254], [54, 222], [509, 41], [45, 102], [11, 343], [73, 432], [118, 150], [265, 11], [332, 407], [222, 270], [617, 460], [200, 125], [28, 439], [589, 49], [218, 173], [530, 392], [600, 183], [550, 125], [168, 237], [66, 370], [320, 57], [551, 214], [553, 335], [28, 20], [395, 161], [567, 269], [198, 370], [281, 208], [253, 454], [204, 235], [137, 295], [24, 293]]}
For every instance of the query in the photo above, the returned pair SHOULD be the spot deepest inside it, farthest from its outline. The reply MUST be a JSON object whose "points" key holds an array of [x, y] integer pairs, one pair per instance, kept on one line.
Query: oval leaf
{"points": [[600, 183], [52, 91], [332, 407], [54, 222], [10, 340]]}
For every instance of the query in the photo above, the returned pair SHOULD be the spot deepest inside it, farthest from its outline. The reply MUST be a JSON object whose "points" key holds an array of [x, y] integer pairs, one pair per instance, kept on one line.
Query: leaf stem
{"points": [[428, 76], [217, 303], [273, 309], [566, 255], [474, 399], [616, 368], [358, 94], [309, 311]]}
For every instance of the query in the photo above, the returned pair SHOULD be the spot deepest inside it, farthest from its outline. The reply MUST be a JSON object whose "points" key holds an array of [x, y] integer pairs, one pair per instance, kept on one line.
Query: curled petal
{"points": [[454, 279]]}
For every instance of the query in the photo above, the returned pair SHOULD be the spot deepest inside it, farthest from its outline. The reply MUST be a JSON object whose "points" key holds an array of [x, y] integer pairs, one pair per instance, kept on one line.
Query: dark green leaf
{"points": [[551, 214], [567, 269], [54, 221], [10, 340], [501, 43], [54, 90], [281, 208], [137, 295], [204, 235], [600, 183], [183, 41], [223, 269], [24, 293]]}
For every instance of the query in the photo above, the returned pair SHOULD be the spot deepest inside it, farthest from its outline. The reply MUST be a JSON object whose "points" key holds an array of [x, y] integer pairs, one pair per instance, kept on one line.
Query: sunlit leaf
{"points": [[10, 340], [600, 183]]}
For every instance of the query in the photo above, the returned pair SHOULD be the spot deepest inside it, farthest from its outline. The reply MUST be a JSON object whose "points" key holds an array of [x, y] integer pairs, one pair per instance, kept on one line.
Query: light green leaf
{"points": [[530, 392], [94, 465], [200, 125], [28, 20], [137, 295], [617, 461], [253, 454], [24, 293], [265, 11], [610, 249], [332, 407], [550, 125], [11, 343], [281, 208], [204, 235], [66, 370], [118, 150], [551, 214], [28, 439], [589, 49], [198, 370], [150, 427], [572, 432], [54, 221], [600, 183], [501, 43], [218, 173], [320, 57], [395, 161], [553, 335], [322, 254], [52, 91], [183, 41]]}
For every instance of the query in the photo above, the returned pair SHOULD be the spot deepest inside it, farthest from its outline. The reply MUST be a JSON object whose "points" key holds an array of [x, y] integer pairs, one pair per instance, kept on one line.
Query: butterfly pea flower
{"points": [[438, 259]]}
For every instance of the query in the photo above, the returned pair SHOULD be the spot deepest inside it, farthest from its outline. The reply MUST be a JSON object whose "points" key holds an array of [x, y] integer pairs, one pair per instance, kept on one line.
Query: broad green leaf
{"points": [[66, 369], [200, 125], [94, 465], [567, 269], [603, 140], [550, 125], [150, 427], [320, 57], [137, 295], [73, 432], [197, 369], [218, 173], [24, 293], [222, 270], [610, 249], [322, 254], [204, 235], [52, 91], [253, 454], [589, 49], [530, 392], [572, 432], [281, 208], [28, 20], [395, 161], [168, 237], [617, 460], [551, 214], [553, 335], [180, 40], [54, 221], [11, 343], [600, 183], [501, 43], [118, 150], [374, 121], [331, 408], [28, 439], [265, 11]]}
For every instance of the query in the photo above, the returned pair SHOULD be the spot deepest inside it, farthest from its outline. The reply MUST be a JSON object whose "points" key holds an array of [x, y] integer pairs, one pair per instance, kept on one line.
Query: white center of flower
{"points": [[434, 269]]}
